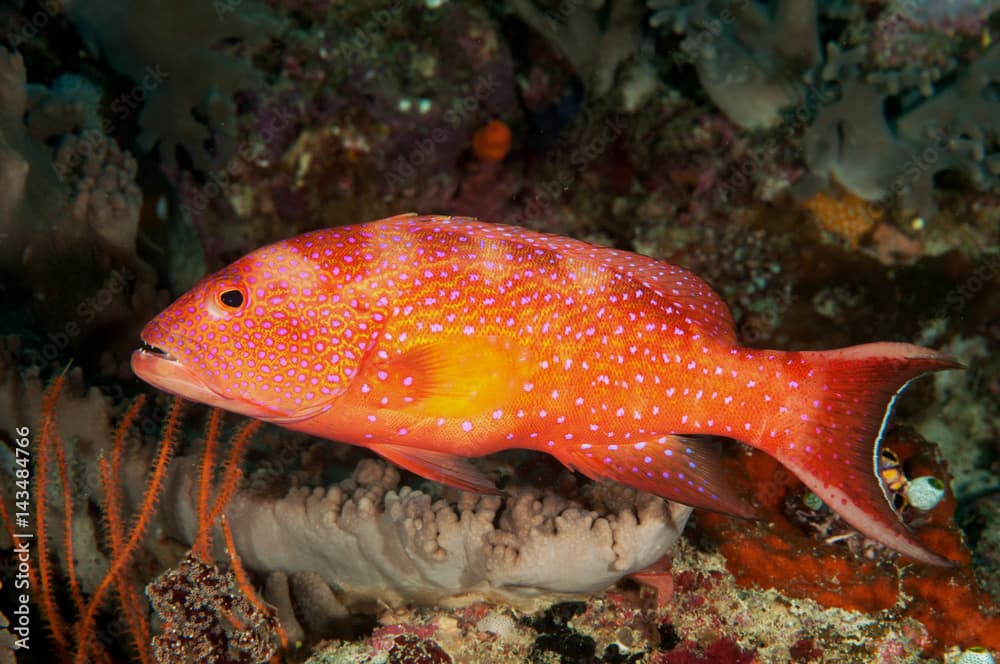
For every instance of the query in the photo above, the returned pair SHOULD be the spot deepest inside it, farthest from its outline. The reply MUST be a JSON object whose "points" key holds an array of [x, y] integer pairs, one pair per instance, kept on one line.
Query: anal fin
{"points": [[444, 468], [687, 469]]}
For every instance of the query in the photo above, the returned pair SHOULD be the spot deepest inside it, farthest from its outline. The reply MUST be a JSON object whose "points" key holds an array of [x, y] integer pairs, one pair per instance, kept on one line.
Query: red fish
{"points": [[432, 339]]}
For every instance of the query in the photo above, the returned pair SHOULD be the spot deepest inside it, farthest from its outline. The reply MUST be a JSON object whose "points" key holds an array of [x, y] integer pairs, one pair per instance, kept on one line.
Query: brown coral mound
{"points": [[372, 540]]}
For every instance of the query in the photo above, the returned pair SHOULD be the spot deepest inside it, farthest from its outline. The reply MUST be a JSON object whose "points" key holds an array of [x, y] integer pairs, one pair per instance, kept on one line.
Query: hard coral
{"points": [[749, 61], [174, 54], [595, 48], [923, 32], [83, 191], [369, 539], [69, 213], [105, 196], [852, 141]]}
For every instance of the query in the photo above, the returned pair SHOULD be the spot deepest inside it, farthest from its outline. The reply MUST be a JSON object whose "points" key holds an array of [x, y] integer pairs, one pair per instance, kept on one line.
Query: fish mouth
{"points": [[155, 351], [166, 372]]}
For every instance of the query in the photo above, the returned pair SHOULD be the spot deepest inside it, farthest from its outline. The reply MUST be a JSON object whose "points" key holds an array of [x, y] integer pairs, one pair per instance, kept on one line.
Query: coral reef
{"points": [[69, 221], [84, 190], [765, 70], [847, 216], [830, 167], [852, 142], [184, 79], [207, 618], [595, 48], [921, 35], [749, 62], [529, 544], [794, 555]]}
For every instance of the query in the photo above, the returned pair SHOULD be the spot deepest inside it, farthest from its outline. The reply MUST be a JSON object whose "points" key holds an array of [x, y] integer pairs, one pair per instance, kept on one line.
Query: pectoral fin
{"points": [[451, 378]]}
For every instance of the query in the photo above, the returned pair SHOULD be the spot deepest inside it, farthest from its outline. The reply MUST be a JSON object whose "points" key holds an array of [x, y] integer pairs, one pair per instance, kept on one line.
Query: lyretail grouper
{"points": [[432, 339]]}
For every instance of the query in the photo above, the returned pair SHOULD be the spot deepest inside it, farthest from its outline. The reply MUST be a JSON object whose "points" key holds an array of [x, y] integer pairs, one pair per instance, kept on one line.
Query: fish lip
{"points": [[156, 351], [166, 372]]}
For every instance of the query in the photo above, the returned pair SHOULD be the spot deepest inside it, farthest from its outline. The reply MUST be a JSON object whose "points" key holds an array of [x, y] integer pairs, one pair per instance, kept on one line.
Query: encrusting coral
{"points": [[802, 554]]}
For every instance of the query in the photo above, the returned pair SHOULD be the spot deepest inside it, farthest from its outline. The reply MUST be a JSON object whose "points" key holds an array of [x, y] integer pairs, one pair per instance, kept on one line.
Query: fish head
{"points": [[268, 336]]}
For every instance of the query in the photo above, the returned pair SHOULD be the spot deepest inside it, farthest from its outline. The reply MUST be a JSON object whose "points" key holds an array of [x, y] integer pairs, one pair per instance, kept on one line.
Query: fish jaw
{"points": [[165, 372]]}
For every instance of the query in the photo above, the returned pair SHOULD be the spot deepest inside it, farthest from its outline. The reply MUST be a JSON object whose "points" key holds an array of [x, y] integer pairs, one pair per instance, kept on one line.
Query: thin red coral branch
{"points": [[243, 581], [135, 613], [58, 448], [202, 540], [231, 476], [47, 600], [84, 632]]}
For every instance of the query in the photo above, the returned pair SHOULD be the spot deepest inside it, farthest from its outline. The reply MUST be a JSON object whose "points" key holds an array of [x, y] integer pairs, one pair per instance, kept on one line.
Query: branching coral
{"points": [[749, 62], [760, 69], [82, 192], [596, 52], [853, 142]]}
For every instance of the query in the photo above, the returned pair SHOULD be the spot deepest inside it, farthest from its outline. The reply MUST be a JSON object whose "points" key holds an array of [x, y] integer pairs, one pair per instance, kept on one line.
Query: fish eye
{"points": [[232, 298]]}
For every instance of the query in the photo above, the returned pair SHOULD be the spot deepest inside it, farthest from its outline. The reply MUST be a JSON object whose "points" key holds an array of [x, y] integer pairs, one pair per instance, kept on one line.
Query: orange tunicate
{"points": [[845, 215], [491, 142]]}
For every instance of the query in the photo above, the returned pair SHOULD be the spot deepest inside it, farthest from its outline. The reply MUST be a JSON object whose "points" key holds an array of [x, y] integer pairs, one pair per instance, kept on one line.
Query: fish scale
{"points": [[433, 339]]}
